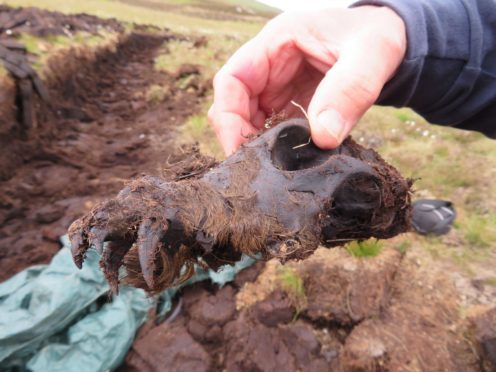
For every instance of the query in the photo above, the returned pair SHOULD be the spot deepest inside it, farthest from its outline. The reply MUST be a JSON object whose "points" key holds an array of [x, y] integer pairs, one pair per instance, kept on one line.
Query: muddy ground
{"points": [[389, 313], [394, 312], [99, 133]]}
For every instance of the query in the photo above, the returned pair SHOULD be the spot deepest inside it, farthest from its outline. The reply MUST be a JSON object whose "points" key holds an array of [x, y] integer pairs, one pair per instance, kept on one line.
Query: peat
{"points": [[99, 132]]}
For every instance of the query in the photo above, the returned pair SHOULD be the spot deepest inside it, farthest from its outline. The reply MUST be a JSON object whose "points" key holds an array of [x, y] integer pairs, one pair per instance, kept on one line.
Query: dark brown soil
{"points": [[378, 314], [41, 22], [482, 327], [100, 133]]}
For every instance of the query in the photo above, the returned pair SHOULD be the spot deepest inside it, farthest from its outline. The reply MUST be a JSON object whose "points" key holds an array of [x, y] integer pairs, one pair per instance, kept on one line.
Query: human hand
{"points": [[334, 62]]}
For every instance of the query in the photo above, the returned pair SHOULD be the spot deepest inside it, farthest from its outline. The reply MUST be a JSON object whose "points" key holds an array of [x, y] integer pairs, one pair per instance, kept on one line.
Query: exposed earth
{"points": [[99, 133], [394, 312]]}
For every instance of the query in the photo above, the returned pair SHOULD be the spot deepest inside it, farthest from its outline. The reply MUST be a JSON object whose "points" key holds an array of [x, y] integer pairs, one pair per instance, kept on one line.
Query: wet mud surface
{"points": [[99, 132]]}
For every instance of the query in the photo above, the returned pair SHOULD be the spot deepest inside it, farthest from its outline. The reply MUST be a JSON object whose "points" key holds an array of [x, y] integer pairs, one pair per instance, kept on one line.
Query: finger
{"points": [[150, 233], [79, 242], [257, 116], [231, 130], [111, 261], [235, 113], [345, 93]]}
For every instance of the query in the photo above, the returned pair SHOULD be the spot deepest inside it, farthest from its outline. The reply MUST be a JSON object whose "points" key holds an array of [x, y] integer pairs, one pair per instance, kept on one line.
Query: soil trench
{"points": [[102, 132]]}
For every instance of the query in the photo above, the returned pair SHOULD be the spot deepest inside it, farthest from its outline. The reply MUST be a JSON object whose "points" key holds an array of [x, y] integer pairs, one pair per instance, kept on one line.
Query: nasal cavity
{"points": [[357, 200], [294, 150]]}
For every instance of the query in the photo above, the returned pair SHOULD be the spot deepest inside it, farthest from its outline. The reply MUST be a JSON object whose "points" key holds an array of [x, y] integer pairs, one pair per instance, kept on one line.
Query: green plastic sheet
{"points": [[58, 318]]}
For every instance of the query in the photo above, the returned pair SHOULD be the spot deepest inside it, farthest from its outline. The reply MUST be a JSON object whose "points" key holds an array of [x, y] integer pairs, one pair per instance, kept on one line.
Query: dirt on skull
{"points": [[273, 197]]}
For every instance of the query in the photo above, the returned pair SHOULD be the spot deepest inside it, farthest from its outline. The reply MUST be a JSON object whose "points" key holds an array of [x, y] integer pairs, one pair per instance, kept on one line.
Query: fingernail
{"points": [[332, 122]]}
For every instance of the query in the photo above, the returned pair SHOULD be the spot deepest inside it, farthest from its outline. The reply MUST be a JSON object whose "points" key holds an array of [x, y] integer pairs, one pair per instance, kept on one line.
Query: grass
{"points": [[38, 45], [479, 231], [197, 129], [491, 282], [134, 13], [48, 46], [448, 164], [444, 161], [156, 93], [292, 284], [365, 248], [402, 246], [211, 57]]}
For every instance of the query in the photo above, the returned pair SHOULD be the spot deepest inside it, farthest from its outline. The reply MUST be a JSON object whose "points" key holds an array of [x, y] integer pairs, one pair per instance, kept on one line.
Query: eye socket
{"points": [[294, 150]]}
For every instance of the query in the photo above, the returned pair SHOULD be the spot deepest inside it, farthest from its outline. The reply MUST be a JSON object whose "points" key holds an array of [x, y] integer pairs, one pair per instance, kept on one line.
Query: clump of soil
{"points": [[382, 313], [211, 335], [482, 327], [41, 22], [98, 131]]}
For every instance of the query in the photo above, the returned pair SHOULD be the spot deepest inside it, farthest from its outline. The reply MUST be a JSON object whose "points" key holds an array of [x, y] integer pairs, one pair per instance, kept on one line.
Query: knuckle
{"points": [[216, 79], [363, 90]]}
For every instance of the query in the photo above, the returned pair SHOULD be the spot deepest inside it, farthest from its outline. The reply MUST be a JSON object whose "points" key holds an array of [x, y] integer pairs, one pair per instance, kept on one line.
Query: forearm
{"points": [[449, 71]]}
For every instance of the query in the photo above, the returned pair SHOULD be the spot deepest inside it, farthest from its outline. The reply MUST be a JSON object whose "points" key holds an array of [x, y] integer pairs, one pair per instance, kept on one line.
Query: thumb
{"points": [[345, 93]]}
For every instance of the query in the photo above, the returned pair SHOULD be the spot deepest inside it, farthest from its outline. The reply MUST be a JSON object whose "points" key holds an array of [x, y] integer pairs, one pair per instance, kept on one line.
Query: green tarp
{"points": [[58, 318]]}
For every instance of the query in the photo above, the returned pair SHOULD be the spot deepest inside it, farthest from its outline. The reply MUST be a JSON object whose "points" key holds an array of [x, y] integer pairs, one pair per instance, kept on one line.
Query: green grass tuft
{"points": [[403, 246], [403, 115], [45, 47], [156, 93], [197, 129], [480, 231], [292, 284], [365, 248]]}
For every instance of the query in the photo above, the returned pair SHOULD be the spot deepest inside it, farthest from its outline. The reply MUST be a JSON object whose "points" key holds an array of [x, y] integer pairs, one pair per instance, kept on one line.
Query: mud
{"points": [[377, 314], [14, 58], [41, 22], [101, 132], [482, 327], [262, 338]]}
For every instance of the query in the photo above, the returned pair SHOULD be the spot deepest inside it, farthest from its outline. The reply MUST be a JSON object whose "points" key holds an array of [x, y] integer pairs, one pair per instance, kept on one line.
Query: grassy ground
{"points": [[147, 12], [209, 58], [448, 164], [44, 48]]}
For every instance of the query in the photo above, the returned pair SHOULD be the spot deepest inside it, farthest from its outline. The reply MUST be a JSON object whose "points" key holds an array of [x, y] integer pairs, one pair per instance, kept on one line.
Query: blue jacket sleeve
{"points": [[449, 71]]}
